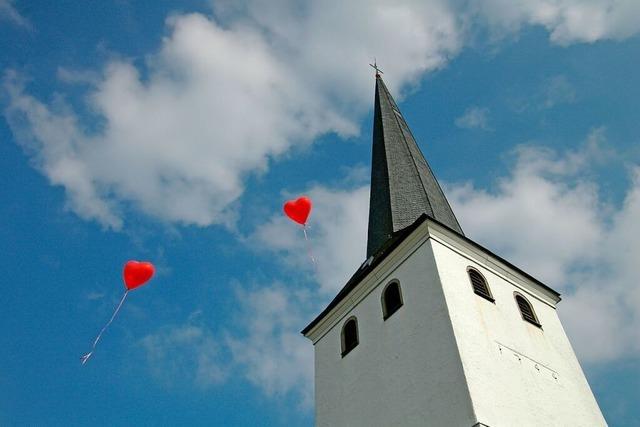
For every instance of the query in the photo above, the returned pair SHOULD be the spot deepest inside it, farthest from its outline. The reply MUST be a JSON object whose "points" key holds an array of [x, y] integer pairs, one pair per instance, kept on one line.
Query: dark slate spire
{"points": [[402, 184]]}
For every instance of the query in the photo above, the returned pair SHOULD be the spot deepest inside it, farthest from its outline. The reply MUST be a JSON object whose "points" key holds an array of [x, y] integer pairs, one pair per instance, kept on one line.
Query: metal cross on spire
{"points": [[375, 67]]}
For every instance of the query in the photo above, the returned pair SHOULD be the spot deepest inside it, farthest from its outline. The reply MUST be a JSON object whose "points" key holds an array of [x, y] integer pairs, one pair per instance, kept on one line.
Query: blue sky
{"points": [[173, 132]]}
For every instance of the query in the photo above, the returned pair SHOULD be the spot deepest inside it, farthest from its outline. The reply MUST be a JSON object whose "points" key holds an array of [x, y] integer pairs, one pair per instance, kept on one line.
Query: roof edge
{"points": [[371, 263]]}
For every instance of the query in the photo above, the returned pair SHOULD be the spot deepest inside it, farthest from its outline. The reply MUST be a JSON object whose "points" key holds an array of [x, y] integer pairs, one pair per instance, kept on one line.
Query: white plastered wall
{"points": [[406, 370], [518, 374], [449, 357]]}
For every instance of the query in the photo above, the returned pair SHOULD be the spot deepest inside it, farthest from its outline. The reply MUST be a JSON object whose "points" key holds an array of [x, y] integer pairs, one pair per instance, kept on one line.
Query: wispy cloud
{"points": [[9, 12], [549, 93], [187, 353], [94, 295], [474, 118], [558, 90], [264, 347], [71, 76], [268, 347], [338, 230]]}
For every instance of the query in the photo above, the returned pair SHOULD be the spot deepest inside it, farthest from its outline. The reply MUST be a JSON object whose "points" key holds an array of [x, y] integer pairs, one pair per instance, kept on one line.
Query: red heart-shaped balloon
{"points": [[298, 210], [137, 273]]}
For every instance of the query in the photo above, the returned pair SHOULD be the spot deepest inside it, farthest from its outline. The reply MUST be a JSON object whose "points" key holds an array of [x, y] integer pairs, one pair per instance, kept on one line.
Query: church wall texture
{"points": [[517, 373], [406, 370]]}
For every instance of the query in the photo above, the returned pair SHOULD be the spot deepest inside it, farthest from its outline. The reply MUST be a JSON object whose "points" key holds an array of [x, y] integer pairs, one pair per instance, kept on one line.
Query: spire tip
{"points": [[375, 67]]}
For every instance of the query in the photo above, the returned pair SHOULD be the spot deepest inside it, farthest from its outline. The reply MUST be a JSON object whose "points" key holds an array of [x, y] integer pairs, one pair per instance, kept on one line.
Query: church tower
{"points": [[433, 329]]}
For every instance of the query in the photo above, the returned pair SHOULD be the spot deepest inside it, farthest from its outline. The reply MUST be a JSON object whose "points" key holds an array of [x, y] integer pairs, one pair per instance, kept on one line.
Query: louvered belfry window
{"points": [[526, 310], [479, 284], [349, 336], [391, 299]]}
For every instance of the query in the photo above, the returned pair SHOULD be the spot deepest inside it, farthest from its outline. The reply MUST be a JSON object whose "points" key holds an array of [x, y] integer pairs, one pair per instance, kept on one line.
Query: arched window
{"points": [[349, 335], [480, 286], [391, 299], [526, 310]]}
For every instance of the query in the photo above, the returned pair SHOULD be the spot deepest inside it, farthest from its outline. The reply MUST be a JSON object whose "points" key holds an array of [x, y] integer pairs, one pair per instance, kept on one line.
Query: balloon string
{"points": [[104, 328], [309, 248]]}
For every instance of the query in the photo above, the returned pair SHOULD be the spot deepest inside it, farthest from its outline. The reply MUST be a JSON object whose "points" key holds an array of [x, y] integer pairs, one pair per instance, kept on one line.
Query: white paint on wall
{"points": [[401, 367], [448, 357], [517, 373]]}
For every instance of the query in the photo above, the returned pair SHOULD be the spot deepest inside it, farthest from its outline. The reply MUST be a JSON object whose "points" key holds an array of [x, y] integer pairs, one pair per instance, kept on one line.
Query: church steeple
{"points": [[403, 186], [435, 329]]}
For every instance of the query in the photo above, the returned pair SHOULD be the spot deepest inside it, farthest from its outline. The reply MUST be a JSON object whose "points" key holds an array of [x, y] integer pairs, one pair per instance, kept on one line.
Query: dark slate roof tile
{"points": [[403, 186]]}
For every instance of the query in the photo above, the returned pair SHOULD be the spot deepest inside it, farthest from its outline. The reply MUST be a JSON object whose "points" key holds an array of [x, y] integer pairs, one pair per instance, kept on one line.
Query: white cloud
{"points": [[261, 343], [184, 353], [547, 217], [602, 313], [224, 97], [269, 349], [273, 353], [265, 345], [558, 90], [9, 12], [551, 92], [568, 21], [337, 236], [177, 138], [474, 118]]}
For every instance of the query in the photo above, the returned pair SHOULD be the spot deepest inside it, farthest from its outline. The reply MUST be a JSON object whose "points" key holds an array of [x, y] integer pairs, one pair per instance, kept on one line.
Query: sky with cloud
{"points": [[174, 132]]}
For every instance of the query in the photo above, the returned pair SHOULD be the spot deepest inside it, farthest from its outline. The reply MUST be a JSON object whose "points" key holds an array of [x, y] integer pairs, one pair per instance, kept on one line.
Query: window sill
{"points": [[536, 324], [488, 298], [343, 354], [384, 318]]}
